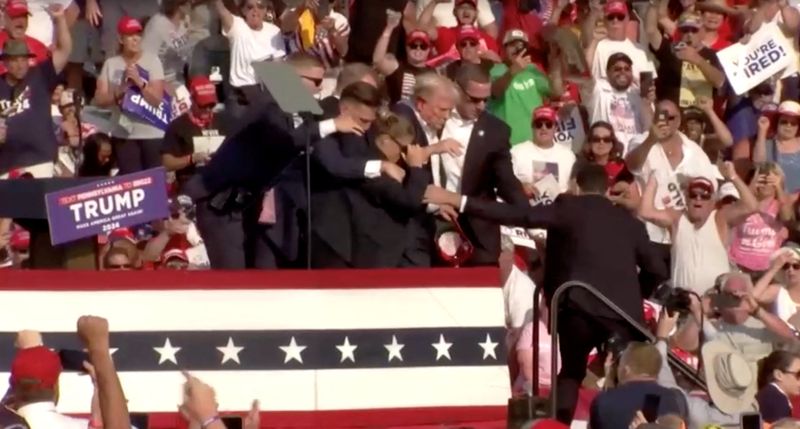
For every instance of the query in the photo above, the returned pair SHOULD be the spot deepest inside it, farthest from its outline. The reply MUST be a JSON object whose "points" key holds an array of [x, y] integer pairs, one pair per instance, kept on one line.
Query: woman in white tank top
{"points": [[779, 288]]}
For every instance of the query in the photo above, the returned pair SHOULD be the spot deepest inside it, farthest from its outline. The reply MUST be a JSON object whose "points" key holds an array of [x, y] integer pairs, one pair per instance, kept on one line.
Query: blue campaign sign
{"points": [[103, 206]]}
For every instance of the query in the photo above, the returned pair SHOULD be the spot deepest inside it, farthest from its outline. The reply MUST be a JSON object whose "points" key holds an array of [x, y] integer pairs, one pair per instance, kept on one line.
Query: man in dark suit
{"points": [[482, 167], [338, 161], [591, 240], [230, 190]]}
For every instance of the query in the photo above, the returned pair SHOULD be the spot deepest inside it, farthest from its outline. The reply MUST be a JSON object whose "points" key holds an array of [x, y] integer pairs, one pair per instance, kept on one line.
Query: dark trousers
{"points": [[662, 252], [136, 154], [323, 255], [579, 333]]}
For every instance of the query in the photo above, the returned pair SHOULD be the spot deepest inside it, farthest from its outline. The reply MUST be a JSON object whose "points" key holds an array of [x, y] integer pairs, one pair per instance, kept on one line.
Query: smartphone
{"points": [[645, 82], [72, 360], [650, 407], [140, 420], [232, 422], [751, 421]]}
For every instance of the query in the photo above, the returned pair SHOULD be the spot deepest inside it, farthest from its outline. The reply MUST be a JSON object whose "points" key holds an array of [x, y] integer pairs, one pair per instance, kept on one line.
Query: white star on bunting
{"points": [[167, 353], [394, 349], [230, 352], [488, 348], [293, 351], [347, 350], [442, 348]]}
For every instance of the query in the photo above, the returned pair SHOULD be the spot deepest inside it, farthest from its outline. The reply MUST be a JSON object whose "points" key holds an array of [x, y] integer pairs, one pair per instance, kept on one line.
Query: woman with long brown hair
{"points": [[603, 148]]}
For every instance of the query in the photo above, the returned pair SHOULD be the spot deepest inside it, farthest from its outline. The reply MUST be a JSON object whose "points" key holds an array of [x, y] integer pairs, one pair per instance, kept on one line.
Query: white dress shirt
{"points": [[43, 415], [460, 130]]}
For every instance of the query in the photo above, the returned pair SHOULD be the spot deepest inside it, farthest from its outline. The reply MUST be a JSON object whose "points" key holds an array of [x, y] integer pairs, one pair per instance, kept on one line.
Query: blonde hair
{"points": [[395, 126]]}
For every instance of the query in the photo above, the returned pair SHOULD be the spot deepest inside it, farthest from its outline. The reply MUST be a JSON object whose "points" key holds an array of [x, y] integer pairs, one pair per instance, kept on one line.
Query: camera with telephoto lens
{"points": [[674, 299]]}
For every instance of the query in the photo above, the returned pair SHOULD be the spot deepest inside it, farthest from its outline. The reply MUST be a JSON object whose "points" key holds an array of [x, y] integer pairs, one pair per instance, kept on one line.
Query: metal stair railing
{"points": [[674, 361]]}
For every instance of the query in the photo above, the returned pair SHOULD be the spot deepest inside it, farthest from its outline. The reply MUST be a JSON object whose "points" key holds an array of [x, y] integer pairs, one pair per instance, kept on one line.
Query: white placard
{"points": [[766, 54], [207, 144], [518, 236]]}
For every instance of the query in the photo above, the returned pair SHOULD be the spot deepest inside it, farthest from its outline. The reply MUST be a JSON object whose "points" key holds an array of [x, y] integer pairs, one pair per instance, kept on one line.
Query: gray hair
{"points": [[723, 279], [430, 82]]}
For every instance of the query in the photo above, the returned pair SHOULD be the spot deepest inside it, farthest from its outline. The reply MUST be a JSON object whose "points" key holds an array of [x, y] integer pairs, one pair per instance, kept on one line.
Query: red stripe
{"points": [[182, 280]]}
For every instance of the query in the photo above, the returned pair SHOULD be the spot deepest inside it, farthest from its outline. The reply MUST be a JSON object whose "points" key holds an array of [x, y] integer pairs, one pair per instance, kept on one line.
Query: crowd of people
{"points": [[430, 110]]}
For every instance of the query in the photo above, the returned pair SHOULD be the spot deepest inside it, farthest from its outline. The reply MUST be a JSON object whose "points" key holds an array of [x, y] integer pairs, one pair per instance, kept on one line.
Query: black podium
{"points": [[23, 200]]}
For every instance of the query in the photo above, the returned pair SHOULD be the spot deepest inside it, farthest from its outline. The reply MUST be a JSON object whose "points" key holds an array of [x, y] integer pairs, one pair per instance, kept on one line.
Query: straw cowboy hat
{"points": [[731, 379]]}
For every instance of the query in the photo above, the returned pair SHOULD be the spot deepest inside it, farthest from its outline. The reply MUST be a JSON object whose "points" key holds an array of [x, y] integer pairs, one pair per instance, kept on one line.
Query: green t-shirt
{"points": [[523, 95]]}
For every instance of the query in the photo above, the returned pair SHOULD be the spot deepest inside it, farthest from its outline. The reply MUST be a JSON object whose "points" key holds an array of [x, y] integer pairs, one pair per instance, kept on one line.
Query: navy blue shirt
{"points": [[30, 139], [773, 404], [615, 408]]}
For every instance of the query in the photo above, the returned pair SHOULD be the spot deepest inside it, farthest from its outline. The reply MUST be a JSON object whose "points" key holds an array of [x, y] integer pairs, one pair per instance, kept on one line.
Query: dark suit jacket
{"points": [[488, 173], [384, 211], [330, 107], [773, 404], [591, 240]]}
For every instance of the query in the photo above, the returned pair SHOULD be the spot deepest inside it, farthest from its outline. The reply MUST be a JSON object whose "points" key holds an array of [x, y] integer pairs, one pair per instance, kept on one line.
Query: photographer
{"points": [[730, 314], [179, 232], [731, 380]]}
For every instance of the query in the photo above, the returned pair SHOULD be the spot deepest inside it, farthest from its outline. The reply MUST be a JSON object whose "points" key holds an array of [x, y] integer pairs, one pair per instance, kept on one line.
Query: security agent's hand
{"points": [[393, 171], [346, 125], [93, 332], [449, 146], [437, 195], [416, 155]]}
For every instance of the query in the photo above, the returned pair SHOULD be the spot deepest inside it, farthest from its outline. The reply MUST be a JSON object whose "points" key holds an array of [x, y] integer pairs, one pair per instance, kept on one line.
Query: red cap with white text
{"points": [[127, 26]]}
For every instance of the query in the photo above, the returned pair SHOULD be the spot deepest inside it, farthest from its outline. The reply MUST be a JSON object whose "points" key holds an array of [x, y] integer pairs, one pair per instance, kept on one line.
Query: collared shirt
{"points": [[460, 130], [43, 415], [433, 138]]}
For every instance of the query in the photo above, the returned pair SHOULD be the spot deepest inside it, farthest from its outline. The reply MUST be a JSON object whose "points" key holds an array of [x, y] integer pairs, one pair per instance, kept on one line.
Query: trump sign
{"points": [[105, 205]]}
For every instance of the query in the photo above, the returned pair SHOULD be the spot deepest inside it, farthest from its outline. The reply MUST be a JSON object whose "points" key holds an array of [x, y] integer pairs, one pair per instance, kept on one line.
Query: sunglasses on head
{"points": [[543, 124], [419, 46], [316, 80], [469, 42], [704, 196], [601, 139], [616, 17]]}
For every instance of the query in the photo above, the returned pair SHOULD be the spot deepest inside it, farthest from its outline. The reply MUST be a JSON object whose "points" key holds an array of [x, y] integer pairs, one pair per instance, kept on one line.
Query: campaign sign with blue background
{"points": [[133, 103], [103, 206]]}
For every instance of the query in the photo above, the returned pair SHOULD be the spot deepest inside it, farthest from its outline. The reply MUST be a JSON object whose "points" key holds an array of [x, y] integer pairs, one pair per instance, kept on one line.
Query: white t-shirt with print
{"points": [[570, 131], [621, 109], [248, 46], [637, 54], [533, 164], [669, 193], [40, 23], [443, 13]]}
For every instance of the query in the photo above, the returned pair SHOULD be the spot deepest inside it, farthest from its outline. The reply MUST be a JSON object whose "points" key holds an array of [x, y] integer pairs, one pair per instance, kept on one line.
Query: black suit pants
{"points": [[579, 333]]}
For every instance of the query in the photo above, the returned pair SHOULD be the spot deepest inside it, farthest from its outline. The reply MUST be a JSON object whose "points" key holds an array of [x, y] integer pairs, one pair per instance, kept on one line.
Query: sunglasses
{"points": [[795, 373], [616, 17], [467, 43], [689, 30], [419, 46], [705, 196], [476, 100], [543, 124], [603, 139], [119, 266], [316, 80], [788, 122], [793, 265]]}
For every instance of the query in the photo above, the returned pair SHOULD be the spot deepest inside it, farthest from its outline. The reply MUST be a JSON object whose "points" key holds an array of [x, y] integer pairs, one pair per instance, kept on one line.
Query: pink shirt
{"points": [[757, 238]]}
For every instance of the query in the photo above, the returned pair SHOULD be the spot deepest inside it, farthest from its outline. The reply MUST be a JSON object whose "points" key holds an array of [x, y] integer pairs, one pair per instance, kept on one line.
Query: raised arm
{"points": [[225, 16], [382, 62], [736, 213], [721, 131], [760, 147], [649, 212], [63, 39], [765, 291], [651, 30]]}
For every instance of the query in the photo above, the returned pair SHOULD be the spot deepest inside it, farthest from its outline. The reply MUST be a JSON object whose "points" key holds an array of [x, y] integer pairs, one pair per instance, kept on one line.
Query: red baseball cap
{"points": [[127, 26], [474, 3], [616, 6], [122, 234], [17, 8], [203, 92], [20, 239], [37, 366], [701, 183], [545, 113], [468, 32], [417, 36]]}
